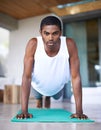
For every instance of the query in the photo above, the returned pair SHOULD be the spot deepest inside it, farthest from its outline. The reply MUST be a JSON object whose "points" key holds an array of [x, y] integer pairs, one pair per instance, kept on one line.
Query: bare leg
{"points": [[47, 102]]}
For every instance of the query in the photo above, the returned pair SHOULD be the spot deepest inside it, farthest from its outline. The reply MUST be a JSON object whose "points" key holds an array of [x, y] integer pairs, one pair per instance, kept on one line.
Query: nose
{"points": [[50, 37]]}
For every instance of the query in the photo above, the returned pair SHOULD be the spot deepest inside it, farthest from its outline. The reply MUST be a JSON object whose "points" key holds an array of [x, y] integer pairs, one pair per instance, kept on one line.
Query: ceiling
{"points": [[20, 9]]}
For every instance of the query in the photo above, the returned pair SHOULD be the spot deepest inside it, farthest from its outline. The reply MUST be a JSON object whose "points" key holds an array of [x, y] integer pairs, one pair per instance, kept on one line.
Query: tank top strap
{"points": [[64, 48]]}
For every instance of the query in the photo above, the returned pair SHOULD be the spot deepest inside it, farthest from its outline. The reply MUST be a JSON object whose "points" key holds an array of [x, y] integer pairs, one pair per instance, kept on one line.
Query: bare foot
{"points": [[39, 103]]}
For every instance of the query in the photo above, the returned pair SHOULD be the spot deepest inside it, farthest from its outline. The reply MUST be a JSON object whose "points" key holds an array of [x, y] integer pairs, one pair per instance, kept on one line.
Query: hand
{"points": [[79, 116], [24, 116]]}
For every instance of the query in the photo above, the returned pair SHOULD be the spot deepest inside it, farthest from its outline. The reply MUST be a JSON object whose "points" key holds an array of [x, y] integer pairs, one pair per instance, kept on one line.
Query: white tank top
{"points": [[50, 73]]}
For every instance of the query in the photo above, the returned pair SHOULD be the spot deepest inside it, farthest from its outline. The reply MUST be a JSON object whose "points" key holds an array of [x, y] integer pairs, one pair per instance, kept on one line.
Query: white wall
{"points": [[27, 29]]}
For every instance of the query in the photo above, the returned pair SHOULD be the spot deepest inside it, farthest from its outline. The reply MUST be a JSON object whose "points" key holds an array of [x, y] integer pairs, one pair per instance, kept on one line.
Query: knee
{"points": [[56, 97]]}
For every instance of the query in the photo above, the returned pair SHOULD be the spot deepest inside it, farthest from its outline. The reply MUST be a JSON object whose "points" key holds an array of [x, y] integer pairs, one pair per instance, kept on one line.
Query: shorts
{"points": [[38, 95]]}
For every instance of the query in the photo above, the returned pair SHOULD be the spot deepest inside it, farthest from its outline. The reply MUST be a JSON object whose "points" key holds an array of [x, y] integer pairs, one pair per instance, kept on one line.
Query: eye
{"points": [[46, 33], [55, 33]]}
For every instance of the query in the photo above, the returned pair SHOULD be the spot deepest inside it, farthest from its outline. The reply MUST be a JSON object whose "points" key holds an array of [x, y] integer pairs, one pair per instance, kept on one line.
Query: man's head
{"points": [[51, 20], [51, 30]]}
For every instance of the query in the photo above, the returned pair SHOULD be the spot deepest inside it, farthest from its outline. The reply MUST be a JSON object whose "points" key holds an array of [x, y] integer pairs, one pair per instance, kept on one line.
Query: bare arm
{"points": [[26, 78], [76, 78]]}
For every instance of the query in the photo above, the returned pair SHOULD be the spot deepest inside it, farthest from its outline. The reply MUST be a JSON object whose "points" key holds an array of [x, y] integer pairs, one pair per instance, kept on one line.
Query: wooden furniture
{"points": [[12, 94], [1, 95]]}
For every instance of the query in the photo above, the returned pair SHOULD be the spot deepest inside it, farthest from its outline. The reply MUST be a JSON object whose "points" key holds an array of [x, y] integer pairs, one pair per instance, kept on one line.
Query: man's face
{"points": [[50, 35]]}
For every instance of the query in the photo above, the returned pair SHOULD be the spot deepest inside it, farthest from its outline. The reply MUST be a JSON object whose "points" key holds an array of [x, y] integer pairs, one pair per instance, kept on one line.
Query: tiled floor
{"points": [[91, 105]]}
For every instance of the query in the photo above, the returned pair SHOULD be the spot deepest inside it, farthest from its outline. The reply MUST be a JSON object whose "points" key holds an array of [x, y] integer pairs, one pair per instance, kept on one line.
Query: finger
{"points": [[84, 117], [71, 116], [74, 116], [19, 116], [24, 116], [30, 115], [79, 117]]}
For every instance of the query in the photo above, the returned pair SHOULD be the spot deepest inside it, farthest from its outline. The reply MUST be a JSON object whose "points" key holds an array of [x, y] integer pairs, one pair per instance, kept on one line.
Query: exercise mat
{"points": [[50, 115]]}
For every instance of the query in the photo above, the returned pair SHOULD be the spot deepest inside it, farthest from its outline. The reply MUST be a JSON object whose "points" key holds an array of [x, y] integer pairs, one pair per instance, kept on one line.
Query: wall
{"points": [[27, 29]]}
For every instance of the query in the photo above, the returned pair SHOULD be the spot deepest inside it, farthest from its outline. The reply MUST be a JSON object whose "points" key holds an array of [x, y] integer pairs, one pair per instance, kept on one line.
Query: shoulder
{"points": [[31, 46], [71, 45], [70, 42], [32, 42]]}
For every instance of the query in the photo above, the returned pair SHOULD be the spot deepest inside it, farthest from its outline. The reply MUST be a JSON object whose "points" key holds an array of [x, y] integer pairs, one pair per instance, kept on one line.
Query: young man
{"points": [[50, 61]]}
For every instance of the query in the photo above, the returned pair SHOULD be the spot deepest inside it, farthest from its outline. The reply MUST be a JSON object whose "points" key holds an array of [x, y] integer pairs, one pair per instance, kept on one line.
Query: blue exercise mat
{"points": [[50, 115]]}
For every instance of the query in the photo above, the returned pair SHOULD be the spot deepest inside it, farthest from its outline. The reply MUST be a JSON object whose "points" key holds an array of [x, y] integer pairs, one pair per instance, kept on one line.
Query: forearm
{"points": [[26, 83], [77, 90]]}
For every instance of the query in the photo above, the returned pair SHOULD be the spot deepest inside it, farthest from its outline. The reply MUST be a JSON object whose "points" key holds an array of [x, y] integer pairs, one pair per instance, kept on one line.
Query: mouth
{"points": [[50, 43]]}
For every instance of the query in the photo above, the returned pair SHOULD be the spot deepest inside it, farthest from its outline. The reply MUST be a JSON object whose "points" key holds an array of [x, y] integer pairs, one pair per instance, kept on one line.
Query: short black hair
{"points": [[51, 20]]}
